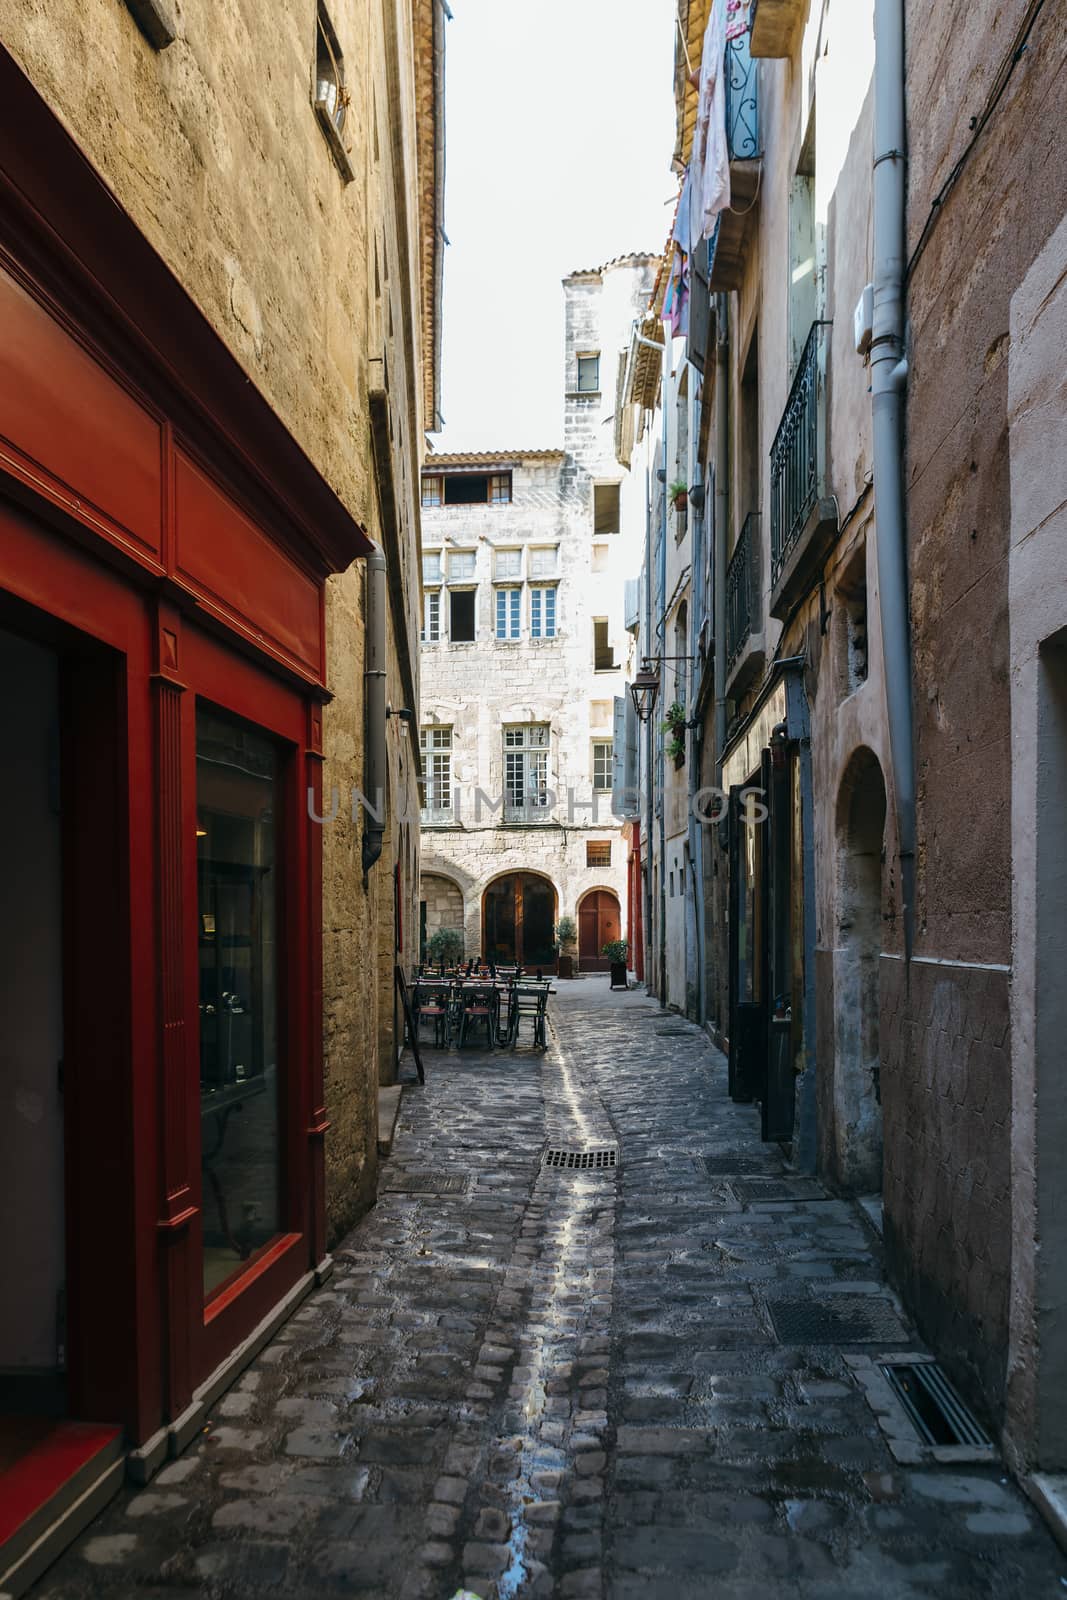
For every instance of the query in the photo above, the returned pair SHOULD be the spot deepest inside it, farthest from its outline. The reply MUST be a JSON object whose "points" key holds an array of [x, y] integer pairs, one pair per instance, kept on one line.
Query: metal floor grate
{"points": [[851, 1319], [726, 1166], [753, 1189], [425, 1183], [604, 1158], [936, 1411]]}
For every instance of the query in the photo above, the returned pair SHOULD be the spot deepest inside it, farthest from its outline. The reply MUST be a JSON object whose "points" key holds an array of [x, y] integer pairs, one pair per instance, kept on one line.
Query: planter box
{"points": [[618, 975], [564, 966]]}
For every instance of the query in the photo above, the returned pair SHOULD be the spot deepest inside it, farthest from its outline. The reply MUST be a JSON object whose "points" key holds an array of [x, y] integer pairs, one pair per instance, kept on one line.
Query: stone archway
{"points": [[519, 919], [441, 906], [857, 1100], [599, 920]]}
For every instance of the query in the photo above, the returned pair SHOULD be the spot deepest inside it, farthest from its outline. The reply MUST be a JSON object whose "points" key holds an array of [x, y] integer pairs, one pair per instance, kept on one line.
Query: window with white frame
{"points": [[602, 762], [526, 767], [461, 564], [543, 613], [589, 373], [431, 566], [431, 617], [508, 613], [544, 561], [435, 745], [508, 564]]}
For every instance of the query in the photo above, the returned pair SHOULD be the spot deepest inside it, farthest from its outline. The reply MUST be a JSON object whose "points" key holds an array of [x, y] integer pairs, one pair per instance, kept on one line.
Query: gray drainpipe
{"points": [[374, 686], [888, 377], [722, 503], [695, 961], [650, 777]]}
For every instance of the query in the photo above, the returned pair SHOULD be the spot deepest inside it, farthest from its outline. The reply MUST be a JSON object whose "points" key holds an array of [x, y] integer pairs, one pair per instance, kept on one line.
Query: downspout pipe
{"points": [[888, 378], [722, 506], [695, 958], [374, 690]]}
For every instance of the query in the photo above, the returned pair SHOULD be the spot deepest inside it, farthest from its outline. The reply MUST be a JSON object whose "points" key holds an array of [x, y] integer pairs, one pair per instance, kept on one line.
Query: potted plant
{"points": [[674, 724], [616, 951], [445, 947], [566, 939], [678, 492]]}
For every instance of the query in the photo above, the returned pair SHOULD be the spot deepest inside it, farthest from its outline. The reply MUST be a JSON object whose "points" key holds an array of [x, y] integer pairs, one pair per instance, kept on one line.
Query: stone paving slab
{"points": [[539, 1383]]}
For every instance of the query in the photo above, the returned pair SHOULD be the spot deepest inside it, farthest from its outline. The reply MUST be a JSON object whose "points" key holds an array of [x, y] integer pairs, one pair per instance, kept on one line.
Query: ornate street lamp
{"points": [[644, 689]]}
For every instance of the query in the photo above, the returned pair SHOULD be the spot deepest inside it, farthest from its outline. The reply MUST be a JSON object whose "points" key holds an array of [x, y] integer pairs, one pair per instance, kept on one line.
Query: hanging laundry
{"points": [[737, 18], [711, 157], [676, 300]]}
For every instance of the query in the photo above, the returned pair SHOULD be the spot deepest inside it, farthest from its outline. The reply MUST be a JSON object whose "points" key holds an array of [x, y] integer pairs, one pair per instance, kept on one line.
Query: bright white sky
{"points": [[560, 130]]}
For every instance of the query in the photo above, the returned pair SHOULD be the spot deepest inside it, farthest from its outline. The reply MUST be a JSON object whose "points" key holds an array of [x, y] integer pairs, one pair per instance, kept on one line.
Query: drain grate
{"points": [[425, 1183], [935, 1409], [749, 1189], [672, 1033], [852, 1319], [726, 1166], [604, 1158]]}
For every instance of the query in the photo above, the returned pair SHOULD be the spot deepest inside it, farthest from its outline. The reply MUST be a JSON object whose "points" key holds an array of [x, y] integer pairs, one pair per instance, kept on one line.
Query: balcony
{"points": [[803, 513], [727, 245], [744, 614], [776, 26]]}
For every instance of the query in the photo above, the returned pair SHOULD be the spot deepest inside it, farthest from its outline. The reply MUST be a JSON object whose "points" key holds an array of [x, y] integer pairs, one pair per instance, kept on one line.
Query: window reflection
{"points": [[236, 793]]}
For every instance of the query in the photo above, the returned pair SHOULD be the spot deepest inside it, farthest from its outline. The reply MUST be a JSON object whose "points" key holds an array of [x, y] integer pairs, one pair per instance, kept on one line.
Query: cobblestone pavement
{"points": [[536, 1383]]}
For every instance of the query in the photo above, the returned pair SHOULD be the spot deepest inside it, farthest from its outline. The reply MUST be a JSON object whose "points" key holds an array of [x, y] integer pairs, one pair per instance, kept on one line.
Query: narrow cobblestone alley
{"points": [[530, 1382]]}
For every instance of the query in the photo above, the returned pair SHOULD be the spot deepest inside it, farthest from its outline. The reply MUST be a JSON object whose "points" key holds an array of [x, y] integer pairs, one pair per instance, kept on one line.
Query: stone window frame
{"points": [[583, 359], [435, 748], [453, 592], [431, 624], [507, 610], [598, 749], [601, 652], [500, 574], [539, 609], [467, 576], [524, 750], [533, 564], [328, 73], [436, 574]]}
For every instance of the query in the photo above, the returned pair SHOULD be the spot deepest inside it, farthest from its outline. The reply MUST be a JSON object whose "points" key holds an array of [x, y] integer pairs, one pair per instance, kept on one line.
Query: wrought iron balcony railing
{"points": [[742, 589], [742, 101], [798, 454]]}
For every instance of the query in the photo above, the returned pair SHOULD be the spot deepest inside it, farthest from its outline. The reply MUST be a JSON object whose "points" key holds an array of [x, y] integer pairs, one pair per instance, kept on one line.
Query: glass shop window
{"points": [[237, 876]]}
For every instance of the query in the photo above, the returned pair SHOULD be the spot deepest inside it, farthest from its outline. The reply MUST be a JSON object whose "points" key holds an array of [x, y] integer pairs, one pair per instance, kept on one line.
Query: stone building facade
{"points": [[899, 1049], [525, 556], [220, 257]]}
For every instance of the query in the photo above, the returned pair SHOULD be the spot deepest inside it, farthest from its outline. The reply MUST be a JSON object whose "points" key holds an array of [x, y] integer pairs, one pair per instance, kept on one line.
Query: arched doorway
{"points": [[519, 920], [857, 1120], [441, 906], [599, 920]]}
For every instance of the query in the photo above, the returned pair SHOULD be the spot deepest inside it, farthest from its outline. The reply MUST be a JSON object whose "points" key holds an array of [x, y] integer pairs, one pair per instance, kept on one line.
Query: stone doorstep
{"points": [[388, 1111], [1048, 1491]]}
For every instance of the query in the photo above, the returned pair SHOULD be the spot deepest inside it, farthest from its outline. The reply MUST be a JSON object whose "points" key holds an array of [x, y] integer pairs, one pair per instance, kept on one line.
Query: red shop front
{"points": [[164, 546]]}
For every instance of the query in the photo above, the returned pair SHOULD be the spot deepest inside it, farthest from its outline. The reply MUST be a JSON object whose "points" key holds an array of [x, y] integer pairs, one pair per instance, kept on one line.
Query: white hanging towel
{"points": [[711, 155]]}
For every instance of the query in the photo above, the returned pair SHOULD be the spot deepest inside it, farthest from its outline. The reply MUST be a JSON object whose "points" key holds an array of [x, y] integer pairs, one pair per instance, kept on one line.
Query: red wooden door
{"points": [[599, 920]]}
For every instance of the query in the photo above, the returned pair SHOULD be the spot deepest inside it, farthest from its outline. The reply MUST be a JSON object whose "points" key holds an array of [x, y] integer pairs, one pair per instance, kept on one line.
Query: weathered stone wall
{"points": [[213, 147], [443, 899], [1007, 201]]}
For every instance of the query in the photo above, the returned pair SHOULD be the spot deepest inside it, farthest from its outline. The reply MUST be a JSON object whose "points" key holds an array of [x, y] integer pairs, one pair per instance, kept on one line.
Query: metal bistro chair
{"points": [[530, 1000], [477, 1008], [431, 1005]]}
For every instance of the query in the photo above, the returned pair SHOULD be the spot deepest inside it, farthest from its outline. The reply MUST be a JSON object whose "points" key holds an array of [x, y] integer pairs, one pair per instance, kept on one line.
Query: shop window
{"points": [[461, 616], [602, 763], [331, 96], [605, 508], [508, 608], [603, 653], [589, 374], [598, 853], [237, 877], [543, 613]]}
